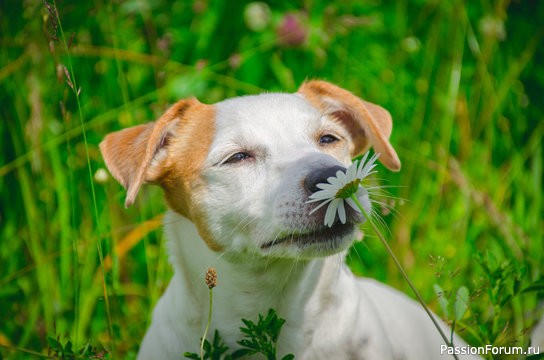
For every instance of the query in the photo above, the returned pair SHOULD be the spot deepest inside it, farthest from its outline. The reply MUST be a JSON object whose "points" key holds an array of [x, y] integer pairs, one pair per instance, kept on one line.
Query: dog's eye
{"points": [[327, 139], [236, 158]]}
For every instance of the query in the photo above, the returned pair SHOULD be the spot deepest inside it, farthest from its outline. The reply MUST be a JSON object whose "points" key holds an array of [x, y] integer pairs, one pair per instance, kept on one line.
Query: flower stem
{"points": [[403, 273], [207, 325]]}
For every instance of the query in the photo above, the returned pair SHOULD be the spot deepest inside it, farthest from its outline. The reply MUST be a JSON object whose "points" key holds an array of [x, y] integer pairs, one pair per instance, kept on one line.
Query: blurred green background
{"points": [[463, 80]]}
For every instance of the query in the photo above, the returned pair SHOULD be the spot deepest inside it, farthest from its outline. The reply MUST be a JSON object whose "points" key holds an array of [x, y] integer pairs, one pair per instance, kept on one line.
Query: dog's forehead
{"points": [[268, 114]]}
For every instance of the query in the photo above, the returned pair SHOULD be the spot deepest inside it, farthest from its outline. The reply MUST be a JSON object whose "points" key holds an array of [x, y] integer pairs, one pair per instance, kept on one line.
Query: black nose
{"points": [[320, 176]]}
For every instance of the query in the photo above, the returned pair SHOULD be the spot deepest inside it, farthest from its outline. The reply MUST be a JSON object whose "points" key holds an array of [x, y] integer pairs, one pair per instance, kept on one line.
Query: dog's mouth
{"points": [[324, 235]]}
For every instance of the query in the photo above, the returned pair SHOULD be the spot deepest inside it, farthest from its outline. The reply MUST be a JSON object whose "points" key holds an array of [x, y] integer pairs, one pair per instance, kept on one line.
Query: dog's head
{"points": [[242, 170]]}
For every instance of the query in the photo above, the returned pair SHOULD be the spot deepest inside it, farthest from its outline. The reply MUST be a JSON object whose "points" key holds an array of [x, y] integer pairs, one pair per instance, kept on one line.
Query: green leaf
{"points": [[491, 261], [442, 300], [249, 344], [193, 356], [55, 345], [537, 286], [461, 302], [68, 348], [261, 337], [536, 357], [241, 353]]}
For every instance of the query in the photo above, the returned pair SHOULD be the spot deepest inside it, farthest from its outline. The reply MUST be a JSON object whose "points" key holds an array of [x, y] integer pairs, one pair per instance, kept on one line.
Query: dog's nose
{"points": [[320, 176]]}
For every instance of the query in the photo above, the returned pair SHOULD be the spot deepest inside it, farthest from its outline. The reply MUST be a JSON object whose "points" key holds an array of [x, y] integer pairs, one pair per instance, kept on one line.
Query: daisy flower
{"points": [[341, 188], [346, 187]]}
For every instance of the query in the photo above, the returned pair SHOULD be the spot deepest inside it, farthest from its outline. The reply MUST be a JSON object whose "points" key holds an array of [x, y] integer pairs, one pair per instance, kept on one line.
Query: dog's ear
{"points": [[369, 124], [134, 155]]}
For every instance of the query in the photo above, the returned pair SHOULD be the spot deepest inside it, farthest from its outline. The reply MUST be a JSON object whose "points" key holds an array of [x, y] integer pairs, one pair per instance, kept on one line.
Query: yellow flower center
{"points": [[349, 189]]}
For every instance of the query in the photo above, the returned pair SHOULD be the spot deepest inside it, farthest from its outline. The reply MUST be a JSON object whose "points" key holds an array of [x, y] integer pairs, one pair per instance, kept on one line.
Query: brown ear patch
{"points": [[188, 148], [122, 151], [369, 124], [169, 152], [132, 155]]}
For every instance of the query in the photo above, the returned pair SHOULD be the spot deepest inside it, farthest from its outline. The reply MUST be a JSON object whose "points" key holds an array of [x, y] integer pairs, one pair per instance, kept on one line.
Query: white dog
{"points": [[237, 176]]}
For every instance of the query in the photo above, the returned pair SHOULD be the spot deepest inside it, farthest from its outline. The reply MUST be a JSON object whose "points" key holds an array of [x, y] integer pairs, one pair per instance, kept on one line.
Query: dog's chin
{"points": [[322, 241]]}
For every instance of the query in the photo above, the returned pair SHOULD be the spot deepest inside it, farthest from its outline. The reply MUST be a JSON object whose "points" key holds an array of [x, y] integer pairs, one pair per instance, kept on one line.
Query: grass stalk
{"points": [[25, 351], [211, 282], [207, 325], [34, 241], [401, 270], [71, 80]]}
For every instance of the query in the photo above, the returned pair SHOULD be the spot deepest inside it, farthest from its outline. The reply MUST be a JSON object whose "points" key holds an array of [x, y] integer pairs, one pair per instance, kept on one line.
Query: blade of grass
{"points": [[76, 91], [458, 27], [34, 239], [63, 221], [399, 266], [72, 133], [25, 351]]}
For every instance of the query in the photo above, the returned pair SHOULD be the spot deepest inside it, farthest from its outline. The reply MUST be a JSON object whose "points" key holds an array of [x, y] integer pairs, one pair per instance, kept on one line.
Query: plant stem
{"points": [[207, 326], [403, 273], [71, 80], [26, 351]]}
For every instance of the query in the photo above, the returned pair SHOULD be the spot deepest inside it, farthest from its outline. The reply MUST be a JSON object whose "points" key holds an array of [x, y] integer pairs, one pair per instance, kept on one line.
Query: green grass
{"points": [[464, 83]]}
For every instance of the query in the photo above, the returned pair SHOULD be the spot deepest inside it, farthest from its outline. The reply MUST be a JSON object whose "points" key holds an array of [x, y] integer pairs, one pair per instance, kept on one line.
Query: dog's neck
{"points": [[246, 286]]}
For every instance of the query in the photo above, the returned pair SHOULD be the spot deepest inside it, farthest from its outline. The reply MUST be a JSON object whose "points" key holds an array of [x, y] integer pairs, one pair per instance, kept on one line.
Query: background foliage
{"points": [[464, 83]]}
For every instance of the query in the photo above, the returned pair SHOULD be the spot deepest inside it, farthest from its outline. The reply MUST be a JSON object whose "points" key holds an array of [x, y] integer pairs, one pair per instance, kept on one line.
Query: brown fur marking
{"points": [[369, 124], [185, 132]]}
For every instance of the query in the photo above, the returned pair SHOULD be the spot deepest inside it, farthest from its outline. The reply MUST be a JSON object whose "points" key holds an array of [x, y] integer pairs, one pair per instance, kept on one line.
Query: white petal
{"points": [[316, 199], [320, 206], [361, 165], [329, 190], [372, 162], [335, 182], [351, 172], [341, 176], [366, 169], [342, 212], [321, 195], [325, 186], [330, 215], [353, 205], [361, 191], [363, 160]]}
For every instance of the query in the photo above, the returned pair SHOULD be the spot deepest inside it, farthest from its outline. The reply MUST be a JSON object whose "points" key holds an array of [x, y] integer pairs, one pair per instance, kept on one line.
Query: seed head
{"points": [[211, 278]]}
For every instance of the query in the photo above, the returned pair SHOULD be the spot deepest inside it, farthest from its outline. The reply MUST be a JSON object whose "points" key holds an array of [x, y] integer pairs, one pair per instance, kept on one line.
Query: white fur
{"points": [[330, 313]]}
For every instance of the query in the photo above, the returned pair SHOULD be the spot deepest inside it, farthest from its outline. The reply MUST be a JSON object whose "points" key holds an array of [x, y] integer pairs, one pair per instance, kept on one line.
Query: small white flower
{"points": [[101, 176], [339, 189]]}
